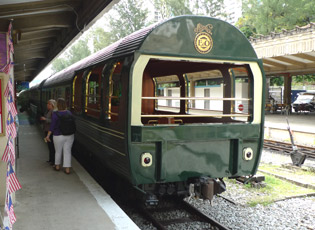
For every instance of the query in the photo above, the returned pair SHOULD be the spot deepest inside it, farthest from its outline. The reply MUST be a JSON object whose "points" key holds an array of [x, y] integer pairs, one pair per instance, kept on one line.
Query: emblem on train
{"points": [[203, 40]]}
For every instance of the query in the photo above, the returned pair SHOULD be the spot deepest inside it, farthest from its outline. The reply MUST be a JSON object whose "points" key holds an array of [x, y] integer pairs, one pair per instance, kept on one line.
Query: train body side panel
{"points": [[183, 152], [104, 145]]}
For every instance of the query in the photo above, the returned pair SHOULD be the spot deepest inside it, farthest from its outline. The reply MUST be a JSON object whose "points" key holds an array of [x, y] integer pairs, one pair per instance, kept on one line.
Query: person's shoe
{"points": [[57, 167], [67, 170]]}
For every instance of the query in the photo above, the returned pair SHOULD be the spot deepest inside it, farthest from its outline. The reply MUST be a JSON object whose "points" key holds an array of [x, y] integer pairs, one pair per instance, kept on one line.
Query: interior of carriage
{"points": [[185, 92]]}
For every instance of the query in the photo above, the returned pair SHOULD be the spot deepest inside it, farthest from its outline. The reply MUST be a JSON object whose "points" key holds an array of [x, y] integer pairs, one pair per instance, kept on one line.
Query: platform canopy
{"points": [[288, 52], [43, 28]]}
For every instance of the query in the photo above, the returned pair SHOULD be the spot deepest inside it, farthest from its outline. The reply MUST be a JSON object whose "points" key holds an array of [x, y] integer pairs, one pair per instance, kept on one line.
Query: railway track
{"points": [[176, 212], [287, 148]]}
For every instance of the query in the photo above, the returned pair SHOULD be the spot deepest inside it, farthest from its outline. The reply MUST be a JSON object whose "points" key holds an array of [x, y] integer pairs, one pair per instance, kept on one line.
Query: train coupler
{"points": [[207, 187]]}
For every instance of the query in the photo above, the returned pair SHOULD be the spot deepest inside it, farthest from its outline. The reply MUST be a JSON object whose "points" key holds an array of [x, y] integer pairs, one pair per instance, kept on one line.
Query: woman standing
{"points": [[63, 143], [51, 106]]}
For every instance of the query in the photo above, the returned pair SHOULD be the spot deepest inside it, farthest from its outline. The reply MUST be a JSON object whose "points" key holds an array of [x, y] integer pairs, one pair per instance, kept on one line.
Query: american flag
{"points": [[11, 106], [13, 183], [10, 129], [10, 211]]}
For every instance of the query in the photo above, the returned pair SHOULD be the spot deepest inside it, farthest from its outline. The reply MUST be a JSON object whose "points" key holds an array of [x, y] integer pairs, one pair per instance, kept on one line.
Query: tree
{"points": [[126, 17], [169, 8], [59, 64], [266, 16], [131, 16], [76, 52], [101, 38]]}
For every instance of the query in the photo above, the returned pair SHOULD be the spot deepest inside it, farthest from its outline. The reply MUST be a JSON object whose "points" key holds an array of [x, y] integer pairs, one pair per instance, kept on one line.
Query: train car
{"points": [[164, 141]]}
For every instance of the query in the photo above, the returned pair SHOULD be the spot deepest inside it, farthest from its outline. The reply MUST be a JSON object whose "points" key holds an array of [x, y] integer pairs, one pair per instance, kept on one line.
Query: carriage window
{"points": [[114, 92], [93, 92], [93, 89], [180, 92], [167, 88], [243, 91], [77, 94]]}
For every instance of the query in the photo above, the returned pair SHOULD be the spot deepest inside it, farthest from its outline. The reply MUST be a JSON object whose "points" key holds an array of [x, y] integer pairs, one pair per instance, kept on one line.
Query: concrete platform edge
{"points": [[119, 218]]}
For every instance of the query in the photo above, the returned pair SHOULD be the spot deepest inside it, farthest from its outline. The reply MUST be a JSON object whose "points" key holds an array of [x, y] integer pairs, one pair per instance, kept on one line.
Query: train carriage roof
{"points": [[173, 37]]}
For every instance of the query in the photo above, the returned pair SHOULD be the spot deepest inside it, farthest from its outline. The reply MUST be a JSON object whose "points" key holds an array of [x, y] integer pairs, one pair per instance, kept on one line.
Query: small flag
{"points": [[13, 183], [6, 154], [10, 210], [9, 152], [10, 43], [9, 88], [10, 129], [11, 106]]}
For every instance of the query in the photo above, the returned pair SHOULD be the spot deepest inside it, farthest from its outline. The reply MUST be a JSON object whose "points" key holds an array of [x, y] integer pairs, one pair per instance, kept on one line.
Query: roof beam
{"points": [[39, 22], [305, 56], [290, 61], [272, 63]]}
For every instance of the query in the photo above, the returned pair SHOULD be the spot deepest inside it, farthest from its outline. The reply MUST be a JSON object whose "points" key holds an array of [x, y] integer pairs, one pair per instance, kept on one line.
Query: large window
{"points": [[196, 92]]}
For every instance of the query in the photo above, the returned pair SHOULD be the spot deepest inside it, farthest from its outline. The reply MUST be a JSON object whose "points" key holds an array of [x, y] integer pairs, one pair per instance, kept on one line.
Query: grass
{"points": [[276, 189]]}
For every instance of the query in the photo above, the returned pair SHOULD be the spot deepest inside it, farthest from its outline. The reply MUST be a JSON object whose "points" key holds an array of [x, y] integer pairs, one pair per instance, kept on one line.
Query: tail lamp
{"points": [[146, 159]]}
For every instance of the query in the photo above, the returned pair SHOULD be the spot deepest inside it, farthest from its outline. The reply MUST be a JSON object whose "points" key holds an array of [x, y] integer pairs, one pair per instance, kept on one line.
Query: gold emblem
{"points": [[203, 40]]}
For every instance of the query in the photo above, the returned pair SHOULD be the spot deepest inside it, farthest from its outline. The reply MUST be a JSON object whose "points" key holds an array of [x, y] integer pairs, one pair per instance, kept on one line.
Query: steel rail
{"points": [[287, 147], [194, 215]]}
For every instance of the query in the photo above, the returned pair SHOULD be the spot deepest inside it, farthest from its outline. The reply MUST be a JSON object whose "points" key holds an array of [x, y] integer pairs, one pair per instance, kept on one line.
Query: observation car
{"points": [[171, 109]]}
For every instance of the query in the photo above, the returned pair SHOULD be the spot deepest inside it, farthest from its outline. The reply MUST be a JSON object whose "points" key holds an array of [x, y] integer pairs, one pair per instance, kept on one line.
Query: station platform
{"points": [[302, 127], [51, 199], [301, 122]]}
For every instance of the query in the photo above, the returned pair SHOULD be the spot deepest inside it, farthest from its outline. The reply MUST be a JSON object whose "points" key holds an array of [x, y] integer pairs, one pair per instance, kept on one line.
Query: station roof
{"points": [[287, 52], [43, 28]]}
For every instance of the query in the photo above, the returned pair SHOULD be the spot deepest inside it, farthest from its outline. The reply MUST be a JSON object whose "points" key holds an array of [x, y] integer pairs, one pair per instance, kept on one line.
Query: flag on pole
{"points": [[10, 129], [13, 183], [9, 152], [9, 89], [10, 210], [6, 154], [10, 43], [11, 106]]}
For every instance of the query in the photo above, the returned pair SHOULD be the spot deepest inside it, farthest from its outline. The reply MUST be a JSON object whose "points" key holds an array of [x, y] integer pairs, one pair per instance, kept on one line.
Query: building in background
{"points": [[234, 9]]}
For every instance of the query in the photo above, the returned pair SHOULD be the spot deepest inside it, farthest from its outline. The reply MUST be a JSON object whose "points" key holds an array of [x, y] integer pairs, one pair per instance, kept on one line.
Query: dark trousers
{"points": [[51, 148]]}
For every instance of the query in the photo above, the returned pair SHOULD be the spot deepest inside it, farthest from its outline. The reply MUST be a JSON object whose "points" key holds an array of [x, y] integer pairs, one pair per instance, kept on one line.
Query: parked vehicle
{"points": [[305, 102]]}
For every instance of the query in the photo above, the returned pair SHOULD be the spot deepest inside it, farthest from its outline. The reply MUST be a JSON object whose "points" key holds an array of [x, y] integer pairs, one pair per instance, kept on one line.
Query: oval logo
{"points": [[203, 42]]}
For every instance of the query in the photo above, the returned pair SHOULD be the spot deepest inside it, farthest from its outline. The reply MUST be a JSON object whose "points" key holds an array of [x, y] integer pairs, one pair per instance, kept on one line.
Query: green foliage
{"points": [[303, 80], [126, 17], [277, 81], [131, 17], [170, 8], [77, 52], [266, 16], [101, 38]]}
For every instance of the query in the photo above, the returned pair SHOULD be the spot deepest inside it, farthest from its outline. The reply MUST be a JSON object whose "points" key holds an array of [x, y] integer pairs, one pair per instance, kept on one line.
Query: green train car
{"points": [[172, 108]]}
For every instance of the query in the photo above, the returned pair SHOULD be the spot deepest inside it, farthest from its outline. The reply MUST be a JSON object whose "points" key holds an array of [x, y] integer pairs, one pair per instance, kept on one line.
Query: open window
{"points": [[113, 92], [93, 92], [184, 92], [77, 94]]}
